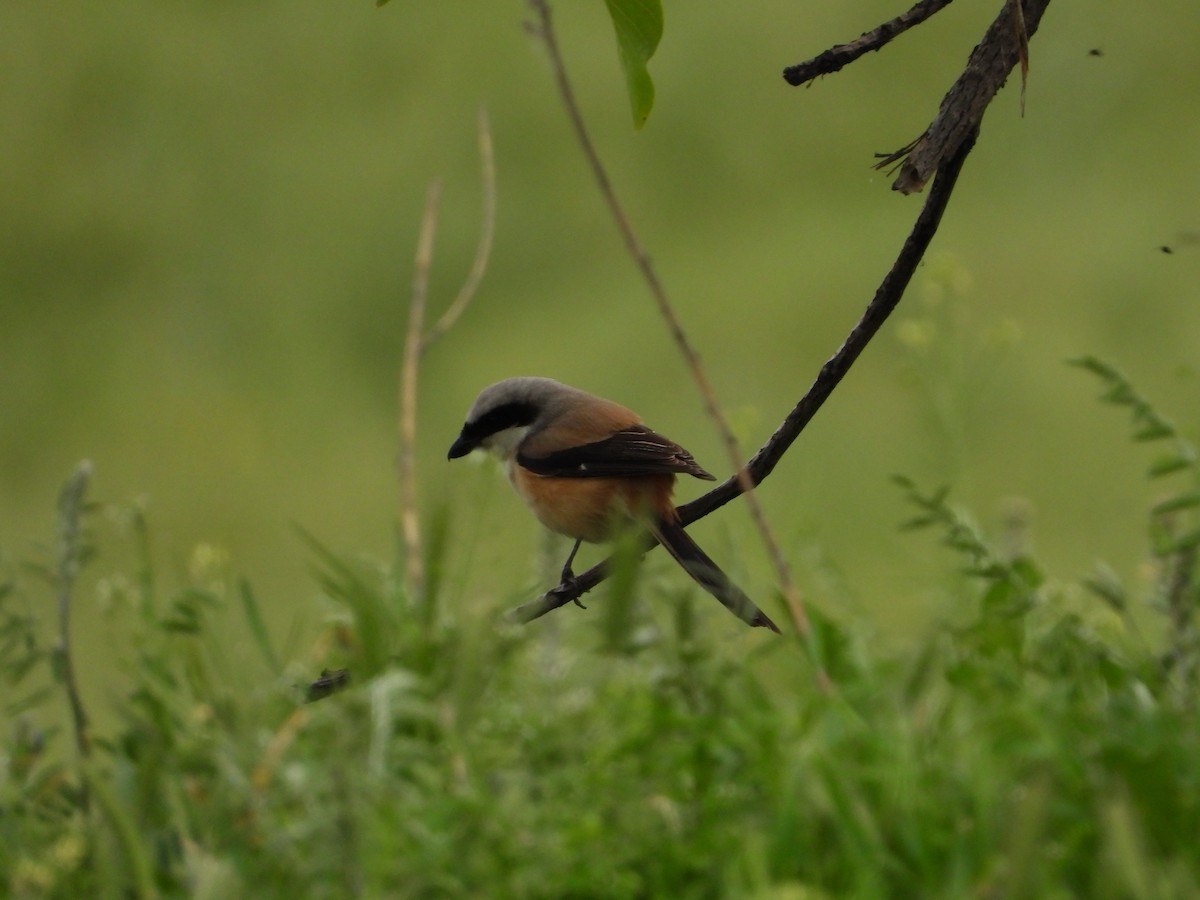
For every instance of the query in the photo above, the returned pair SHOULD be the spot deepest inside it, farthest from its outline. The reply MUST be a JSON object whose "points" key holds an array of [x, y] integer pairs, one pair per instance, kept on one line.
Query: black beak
{"points": [[461, 447]]}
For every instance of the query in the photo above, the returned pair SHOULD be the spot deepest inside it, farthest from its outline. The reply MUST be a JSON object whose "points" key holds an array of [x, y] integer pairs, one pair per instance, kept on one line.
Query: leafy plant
{"points": [[1174, 525], [1033, 746]]}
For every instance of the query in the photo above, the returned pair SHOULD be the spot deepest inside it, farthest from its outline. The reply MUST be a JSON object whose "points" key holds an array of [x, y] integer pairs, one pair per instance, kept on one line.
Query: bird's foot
{"points": [[567, 585]]}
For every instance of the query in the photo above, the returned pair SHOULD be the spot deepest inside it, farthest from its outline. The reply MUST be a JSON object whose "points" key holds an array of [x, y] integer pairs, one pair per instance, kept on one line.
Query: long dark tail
{"points": [[708, 574]]}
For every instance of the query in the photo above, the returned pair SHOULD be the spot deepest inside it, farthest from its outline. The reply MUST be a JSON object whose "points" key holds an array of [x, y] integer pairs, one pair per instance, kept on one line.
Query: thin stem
{"points": [[70, 560], [545, 30], [483, 249], [406, 457], [417, 341]]}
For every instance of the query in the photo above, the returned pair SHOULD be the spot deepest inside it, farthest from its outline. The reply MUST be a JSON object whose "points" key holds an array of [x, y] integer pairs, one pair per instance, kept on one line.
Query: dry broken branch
{"points": [[1004, 45]]}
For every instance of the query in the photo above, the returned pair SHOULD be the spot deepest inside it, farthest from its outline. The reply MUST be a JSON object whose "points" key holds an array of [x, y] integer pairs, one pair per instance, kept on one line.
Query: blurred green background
{"points": [[209, 212]]}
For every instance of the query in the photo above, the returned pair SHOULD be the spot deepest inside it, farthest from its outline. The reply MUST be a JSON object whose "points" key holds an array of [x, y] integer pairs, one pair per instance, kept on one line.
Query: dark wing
{"points": [[635, 450]]}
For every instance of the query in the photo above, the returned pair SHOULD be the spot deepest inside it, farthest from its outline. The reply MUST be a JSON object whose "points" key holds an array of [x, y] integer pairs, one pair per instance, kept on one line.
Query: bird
{"points": [[586, 466]]}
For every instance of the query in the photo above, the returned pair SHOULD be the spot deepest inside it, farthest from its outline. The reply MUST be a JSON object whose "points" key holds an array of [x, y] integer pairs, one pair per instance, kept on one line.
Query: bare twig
{"points": [[70, 559], [483, 249], [544, 29], [842, 55], [1004, 45], [417, 341], [406, 457], [890, 290]]}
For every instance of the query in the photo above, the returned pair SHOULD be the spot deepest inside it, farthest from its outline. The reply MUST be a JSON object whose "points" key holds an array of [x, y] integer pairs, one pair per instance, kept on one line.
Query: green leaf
{"points": [[1189, 541], [1107, 586], [1096, 365], [1175, 504], [639, 27], [1168, 464], [1120, 394], [1154, 430], [1027, 570], [258, 628]]}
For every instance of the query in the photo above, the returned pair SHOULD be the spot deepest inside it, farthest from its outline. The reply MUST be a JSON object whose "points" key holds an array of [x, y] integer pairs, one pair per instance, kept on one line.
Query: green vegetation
{"points": [[209, 211], [207, 214], [1043, 742]]}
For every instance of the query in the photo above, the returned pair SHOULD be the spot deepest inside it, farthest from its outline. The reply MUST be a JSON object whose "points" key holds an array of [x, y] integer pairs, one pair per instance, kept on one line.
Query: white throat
{"points": [[504, 443]]}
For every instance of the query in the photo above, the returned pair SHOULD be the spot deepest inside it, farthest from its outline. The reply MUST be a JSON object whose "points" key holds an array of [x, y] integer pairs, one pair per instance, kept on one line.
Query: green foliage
{"points": [[1011, 583], [1039, 745], [639, 27], [1174, 525]]}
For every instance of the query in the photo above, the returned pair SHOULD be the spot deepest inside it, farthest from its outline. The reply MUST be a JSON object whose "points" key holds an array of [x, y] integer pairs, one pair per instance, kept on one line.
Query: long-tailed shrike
{"points": [[584, 465]]}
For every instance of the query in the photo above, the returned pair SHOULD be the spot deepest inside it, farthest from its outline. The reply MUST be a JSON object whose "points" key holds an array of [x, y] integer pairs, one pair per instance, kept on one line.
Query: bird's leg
{"points": [[568, 575]]}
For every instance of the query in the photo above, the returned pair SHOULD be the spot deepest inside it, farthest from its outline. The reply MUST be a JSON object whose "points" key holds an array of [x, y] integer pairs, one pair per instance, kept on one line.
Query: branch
{"points": [[835, 58], [1004, 44], [888, 295]]}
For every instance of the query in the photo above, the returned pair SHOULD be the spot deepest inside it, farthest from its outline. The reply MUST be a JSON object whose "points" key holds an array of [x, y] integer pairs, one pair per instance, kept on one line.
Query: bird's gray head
{"points": [[505, 412]]}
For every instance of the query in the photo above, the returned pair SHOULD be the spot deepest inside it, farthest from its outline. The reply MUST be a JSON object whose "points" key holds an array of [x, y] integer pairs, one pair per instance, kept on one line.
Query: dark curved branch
{"points": [[941, 149], [890, 290]]}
